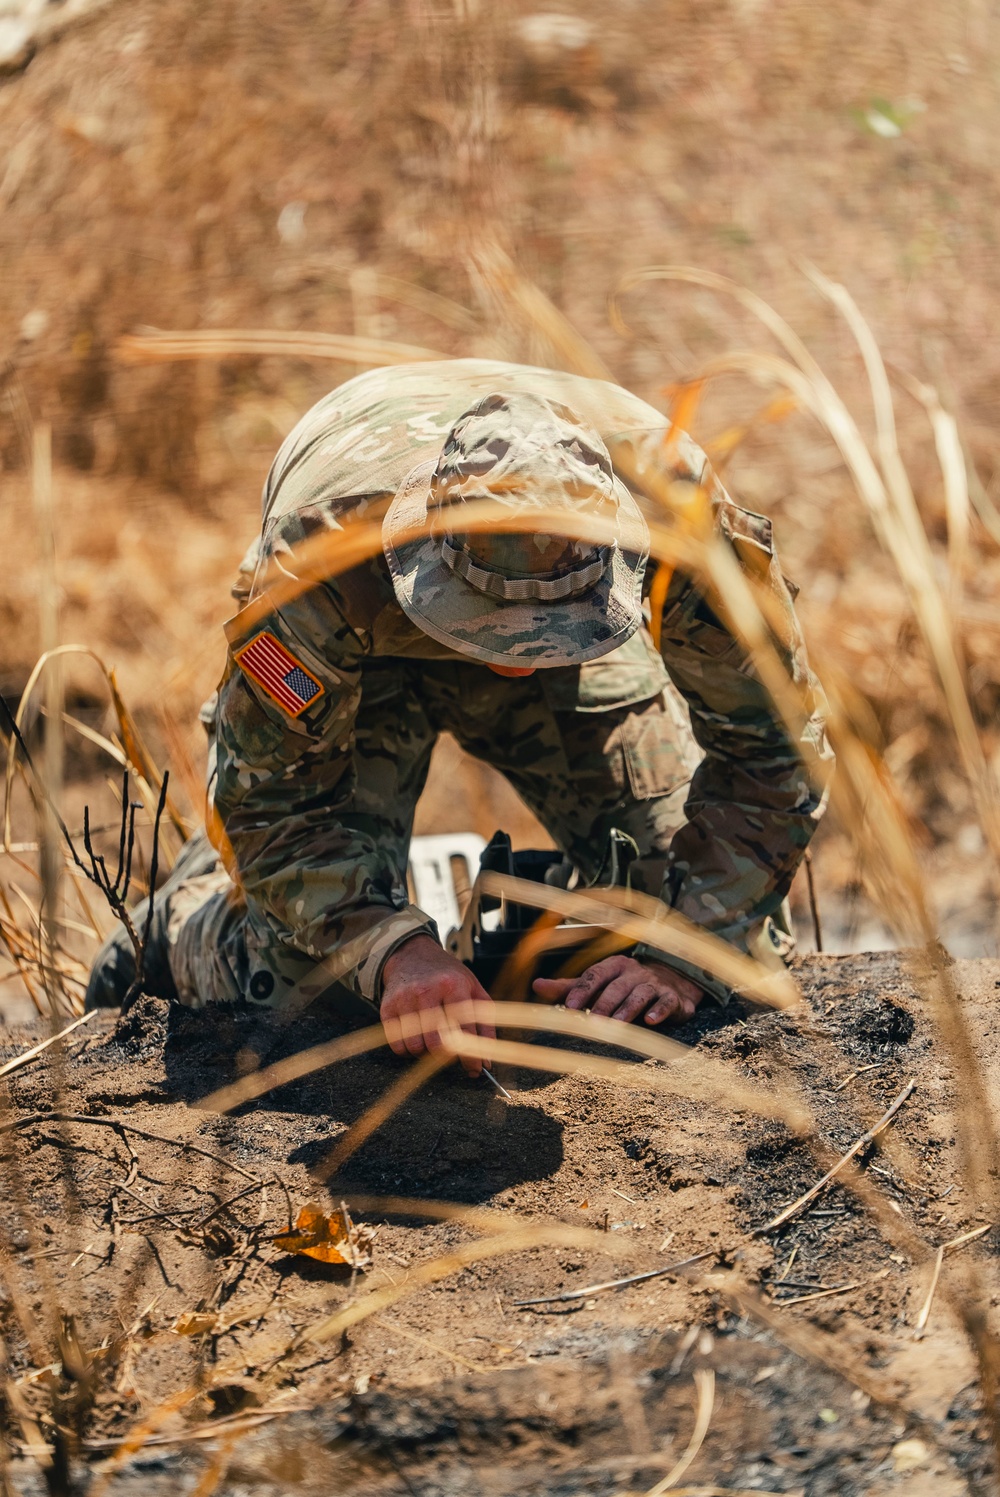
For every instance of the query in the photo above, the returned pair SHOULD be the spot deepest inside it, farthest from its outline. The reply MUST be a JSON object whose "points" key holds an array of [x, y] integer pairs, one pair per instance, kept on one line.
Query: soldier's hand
{"points": [[421, 976], [623, 988]]}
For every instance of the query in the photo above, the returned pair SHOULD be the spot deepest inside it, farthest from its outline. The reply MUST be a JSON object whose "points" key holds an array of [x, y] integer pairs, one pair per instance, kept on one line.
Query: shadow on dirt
{"points": [[456, 1138]]}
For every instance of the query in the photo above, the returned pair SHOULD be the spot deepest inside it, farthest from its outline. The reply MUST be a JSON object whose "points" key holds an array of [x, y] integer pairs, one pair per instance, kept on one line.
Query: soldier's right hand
{"points": [[421, 976]]}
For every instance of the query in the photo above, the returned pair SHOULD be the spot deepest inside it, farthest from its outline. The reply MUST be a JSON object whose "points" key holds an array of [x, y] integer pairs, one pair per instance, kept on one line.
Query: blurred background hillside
{"points": [[339, 165]]}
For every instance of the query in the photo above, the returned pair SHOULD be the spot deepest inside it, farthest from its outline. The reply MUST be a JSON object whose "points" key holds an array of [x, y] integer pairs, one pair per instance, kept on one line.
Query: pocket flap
{"points": [[632, 673]]}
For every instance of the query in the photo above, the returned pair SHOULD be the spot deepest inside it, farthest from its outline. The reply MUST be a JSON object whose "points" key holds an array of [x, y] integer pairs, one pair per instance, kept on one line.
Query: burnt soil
{"points": [[455, 1388]]}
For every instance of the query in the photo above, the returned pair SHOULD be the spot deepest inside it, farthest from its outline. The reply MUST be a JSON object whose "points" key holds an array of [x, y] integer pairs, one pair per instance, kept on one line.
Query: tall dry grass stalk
{"points": [[48, 830], [152, 346]]}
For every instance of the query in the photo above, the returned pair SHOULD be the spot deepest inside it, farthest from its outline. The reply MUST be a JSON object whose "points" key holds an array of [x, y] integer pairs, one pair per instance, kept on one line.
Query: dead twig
{"points": [[855, 1074], [121, 1128], [29, 1055], [115, 891], [802, 1299], [635, 1278], [704, 1381], [946, 1247], [853, 1151]]}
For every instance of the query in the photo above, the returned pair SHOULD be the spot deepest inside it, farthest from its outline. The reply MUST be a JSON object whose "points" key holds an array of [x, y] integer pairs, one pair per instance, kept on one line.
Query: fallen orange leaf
{"points": [[330, 1239], [194, 1323]]}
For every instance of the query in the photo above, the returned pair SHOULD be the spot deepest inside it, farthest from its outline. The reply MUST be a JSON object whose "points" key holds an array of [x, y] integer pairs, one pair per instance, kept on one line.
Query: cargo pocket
{"points": [[632, 673], [659, 748]]}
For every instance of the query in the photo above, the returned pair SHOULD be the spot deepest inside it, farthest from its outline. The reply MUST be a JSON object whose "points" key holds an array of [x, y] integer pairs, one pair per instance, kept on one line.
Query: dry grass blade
{"points": [[704, 1381], [292, 1069], [805, 1299], [642, 918], [946, 1247], [146, 774], [697, 1077], [632, 1278], [916, 564], [888, 494], [515, 1240], [139, 1435], [380, 1111], [20, 953], [704, 1079], [54, 749], [331, 553], [501, 278], [855, 1149], [111, 749], [957, 502], [734, 1492], [29, 1055], [925, 1309], [676, 1081], [217, 1467], [153, 346], [214, 1430]]}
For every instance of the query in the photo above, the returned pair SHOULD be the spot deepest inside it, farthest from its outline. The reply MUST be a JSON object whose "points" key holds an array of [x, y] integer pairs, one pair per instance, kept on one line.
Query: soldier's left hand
{"points": [[621, 987]]}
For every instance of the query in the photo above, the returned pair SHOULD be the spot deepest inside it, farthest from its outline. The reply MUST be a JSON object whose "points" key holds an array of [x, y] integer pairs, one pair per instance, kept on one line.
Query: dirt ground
{"points": [[455, 1387]]}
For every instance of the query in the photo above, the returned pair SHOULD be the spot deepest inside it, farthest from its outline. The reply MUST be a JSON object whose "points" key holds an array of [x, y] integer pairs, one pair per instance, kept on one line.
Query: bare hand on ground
{"points": [[419, 976], [620, 987]]}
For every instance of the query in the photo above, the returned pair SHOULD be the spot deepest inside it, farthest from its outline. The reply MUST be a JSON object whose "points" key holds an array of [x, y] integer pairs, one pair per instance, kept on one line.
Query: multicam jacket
{"points": [[282, 769]]}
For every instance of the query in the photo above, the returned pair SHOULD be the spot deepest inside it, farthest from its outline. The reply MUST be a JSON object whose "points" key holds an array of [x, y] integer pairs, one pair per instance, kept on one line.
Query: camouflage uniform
{"points": [[312, 810]]}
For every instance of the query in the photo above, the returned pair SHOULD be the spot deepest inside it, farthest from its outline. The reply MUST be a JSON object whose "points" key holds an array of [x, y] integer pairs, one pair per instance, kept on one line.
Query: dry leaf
{"points": [[330, 1239], [583, 1206], [195, 1323]]}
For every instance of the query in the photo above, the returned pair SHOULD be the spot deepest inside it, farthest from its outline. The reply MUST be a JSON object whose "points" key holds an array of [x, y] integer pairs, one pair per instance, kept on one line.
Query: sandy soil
{"points": [[454, 1387]]}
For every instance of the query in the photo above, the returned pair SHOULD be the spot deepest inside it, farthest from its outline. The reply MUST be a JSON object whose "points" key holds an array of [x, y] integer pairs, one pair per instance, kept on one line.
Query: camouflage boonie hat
{"points": [[524, 597]]}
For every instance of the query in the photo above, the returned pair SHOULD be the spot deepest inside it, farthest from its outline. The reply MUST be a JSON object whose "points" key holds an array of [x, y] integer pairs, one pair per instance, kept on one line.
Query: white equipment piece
{"points": [[432, 869]]}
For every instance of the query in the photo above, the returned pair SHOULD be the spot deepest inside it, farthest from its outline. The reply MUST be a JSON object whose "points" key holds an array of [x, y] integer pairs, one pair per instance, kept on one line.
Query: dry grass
{"points": [[234, 194], [865, 797]]}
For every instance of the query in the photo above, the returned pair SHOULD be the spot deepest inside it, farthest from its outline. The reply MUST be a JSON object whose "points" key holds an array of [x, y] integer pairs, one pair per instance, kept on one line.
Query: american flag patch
{"points": [[284, 678]]}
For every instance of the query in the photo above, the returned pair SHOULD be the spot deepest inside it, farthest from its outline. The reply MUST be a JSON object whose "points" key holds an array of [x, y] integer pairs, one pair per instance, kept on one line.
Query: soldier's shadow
{"points": [[454, 1139]]}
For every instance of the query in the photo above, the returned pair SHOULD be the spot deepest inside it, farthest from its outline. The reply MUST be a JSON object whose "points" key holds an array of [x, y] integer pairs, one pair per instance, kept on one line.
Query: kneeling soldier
{"points": [[530, 648]]}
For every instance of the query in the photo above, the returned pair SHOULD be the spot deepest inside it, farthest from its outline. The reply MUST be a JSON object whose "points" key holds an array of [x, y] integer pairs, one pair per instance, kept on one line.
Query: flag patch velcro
{"points": [[285, 679]]}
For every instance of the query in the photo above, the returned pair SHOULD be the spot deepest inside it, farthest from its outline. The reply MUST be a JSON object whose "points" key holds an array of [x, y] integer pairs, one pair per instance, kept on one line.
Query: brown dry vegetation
{"points": [[350, 168]]}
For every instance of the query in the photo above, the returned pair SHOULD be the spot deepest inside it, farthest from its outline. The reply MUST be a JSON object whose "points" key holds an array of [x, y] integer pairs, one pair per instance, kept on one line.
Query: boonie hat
{"points": [[529, 598]]}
